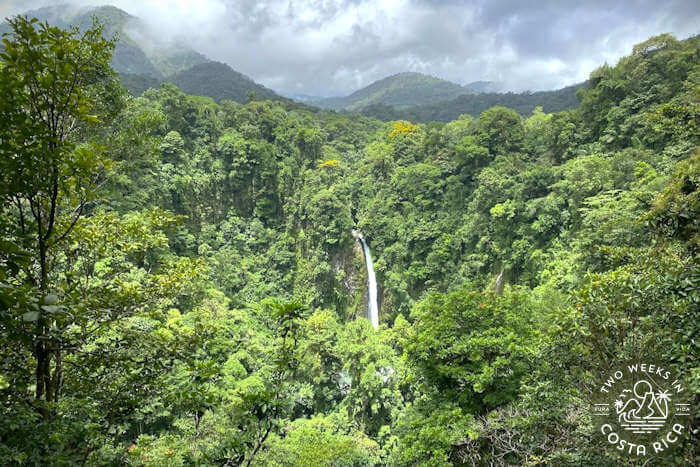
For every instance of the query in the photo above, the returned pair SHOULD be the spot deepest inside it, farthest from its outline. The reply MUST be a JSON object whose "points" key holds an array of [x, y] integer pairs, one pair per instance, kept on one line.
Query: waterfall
{"points": [[372, 307]]}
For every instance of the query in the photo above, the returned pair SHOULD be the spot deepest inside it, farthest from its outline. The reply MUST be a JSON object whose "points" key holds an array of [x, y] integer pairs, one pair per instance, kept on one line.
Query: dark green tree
{"points": [[55, 84]]}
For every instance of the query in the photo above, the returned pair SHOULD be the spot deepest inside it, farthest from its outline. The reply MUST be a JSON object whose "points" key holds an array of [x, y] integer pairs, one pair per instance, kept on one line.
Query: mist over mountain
{"points": [[334, 47], [135, 52], [144, 59]]}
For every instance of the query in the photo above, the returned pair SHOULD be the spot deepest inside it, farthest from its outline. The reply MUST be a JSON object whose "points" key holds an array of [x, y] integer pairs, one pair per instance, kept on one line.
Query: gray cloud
{"points": [[332, 47]]}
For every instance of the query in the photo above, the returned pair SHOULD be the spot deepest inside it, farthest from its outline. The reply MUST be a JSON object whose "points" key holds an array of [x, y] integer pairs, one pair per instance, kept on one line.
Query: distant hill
{"points": [[137, 84], [129, 56], [400, 90], [219, 81], [473, 104], [177, 60], [144, 60]]}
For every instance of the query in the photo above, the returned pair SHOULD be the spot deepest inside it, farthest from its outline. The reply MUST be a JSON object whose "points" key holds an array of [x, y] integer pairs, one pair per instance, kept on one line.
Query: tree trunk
{"points": [[41, 350], [43, 361]]}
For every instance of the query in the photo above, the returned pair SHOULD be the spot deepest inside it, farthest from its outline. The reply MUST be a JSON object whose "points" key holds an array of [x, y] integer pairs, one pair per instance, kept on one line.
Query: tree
{"points": [[55, 84], [261, 401], [322, 441], [500, 130], [469, 351]]}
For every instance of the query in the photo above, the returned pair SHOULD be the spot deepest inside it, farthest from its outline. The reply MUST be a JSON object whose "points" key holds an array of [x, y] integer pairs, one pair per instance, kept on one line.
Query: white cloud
{"points": [[332, 47]]}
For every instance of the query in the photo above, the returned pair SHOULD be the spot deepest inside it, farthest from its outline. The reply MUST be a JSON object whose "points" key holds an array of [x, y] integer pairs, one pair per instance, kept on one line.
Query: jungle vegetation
{"points": [[179, 283]]}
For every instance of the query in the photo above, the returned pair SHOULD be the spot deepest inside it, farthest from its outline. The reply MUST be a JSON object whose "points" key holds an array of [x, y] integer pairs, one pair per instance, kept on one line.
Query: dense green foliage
{"points": [[179, 284]]}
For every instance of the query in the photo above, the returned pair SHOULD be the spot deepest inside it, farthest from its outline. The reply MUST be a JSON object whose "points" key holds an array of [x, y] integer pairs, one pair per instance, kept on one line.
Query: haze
{"points": [[333, 47]]}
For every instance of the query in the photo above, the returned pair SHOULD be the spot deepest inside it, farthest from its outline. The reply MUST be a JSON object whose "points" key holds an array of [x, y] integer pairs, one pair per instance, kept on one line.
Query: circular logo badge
{"points": [[641, 409]]}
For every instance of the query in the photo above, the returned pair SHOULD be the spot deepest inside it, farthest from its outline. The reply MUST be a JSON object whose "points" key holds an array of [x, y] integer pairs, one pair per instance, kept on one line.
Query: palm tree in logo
{"points": [[618, 405], [662, 398]]}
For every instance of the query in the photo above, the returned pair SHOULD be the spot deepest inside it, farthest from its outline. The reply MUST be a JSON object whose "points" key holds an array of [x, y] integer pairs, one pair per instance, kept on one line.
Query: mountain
{"points": [[128, 57], [473, 104], [219, 81], [400, 90], [144, 59], [422, 98], [137, 84]]}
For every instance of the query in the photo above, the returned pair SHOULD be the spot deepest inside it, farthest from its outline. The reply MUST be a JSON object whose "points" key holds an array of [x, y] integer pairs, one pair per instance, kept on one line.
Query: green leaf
{"points": [[50, 299], [30, 316]]}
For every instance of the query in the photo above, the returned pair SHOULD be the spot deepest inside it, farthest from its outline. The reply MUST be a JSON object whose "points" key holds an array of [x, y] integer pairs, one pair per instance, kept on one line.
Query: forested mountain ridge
{"points": [[400, 90], [423, 98], [474, 104], [145, 60], [220, 81], [180, 285], [129, 56]]}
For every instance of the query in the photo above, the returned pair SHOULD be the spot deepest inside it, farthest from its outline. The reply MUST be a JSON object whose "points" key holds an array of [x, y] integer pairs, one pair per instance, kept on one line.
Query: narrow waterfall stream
{"points": [[372, 307]]}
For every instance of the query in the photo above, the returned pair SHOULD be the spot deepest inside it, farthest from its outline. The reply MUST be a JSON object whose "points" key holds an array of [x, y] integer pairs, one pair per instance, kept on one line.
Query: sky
{"points": [[334, 47]]}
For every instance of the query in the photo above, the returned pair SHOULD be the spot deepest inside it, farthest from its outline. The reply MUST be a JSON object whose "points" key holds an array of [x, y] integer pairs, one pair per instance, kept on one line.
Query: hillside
{"points": [[137, 84], [400, 90], [423, 98], [219, 81], [475, 104], [129, 56], [144, 60]]}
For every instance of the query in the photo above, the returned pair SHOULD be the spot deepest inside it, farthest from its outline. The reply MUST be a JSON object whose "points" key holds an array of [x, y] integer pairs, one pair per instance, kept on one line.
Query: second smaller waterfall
{"points": [[372, 307]]}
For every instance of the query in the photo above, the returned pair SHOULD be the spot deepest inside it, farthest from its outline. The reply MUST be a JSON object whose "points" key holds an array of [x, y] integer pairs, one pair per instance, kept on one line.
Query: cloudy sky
{"points": [[333, 47]]}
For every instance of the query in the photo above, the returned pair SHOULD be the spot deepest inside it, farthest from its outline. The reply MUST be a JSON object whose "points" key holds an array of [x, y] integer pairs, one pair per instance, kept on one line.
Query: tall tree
{"points": [[55, 84]]}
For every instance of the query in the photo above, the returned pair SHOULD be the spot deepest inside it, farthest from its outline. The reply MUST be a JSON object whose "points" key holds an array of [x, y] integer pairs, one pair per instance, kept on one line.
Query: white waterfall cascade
{"points": [[372, 307]]}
